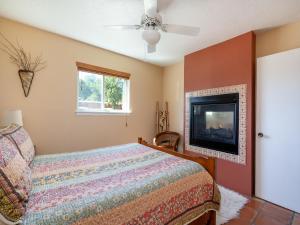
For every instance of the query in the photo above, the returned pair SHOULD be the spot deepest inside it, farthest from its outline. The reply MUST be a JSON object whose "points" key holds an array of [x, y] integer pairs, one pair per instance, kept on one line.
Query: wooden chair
{"points": [[167, 139]]}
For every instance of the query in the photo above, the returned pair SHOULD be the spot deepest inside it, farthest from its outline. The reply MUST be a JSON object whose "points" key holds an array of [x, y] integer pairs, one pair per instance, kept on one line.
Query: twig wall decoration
{"points": [[162, 118], [27, 65]]}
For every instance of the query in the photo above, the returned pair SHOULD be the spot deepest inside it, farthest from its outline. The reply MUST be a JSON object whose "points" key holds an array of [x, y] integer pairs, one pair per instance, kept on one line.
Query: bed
{"points": [[128, 184]]}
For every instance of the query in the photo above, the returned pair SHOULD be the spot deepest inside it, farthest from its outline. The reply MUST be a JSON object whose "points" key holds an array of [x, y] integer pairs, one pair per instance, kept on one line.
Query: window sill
{"points": [[101, 113]]}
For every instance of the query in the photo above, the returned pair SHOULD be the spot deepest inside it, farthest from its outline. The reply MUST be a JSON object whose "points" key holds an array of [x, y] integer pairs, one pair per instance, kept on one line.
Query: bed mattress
{"points": [[127, 184]]}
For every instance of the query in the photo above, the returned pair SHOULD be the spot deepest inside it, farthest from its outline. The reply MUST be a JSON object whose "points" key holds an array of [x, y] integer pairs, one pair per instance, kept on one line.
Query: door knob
{"points": [[260, 134]]}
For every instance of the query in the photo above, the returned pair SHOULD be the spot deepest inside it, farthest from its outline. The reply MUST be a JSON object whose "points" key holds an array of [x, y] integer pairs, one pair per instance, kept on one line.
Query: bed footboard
{"points": [[207, 162]]}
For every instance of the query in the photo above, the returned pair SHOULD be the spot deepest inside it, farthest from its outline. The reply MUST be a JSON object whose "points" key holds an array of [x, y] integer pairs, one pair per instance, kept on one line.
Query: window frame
{"points": [[83, 67]]}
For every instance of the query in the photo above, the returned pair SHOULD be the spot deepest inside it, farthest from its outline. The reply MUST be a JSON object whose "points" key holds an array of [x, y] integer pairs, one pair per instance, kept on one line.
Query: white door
{"points": [[277, 176]]}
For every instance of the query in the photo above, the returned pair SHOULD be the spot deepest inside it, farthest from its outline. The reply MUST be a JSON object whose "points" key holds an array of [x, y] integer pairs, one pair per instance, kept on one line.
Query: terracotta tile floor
{"points": [[260, 212]]}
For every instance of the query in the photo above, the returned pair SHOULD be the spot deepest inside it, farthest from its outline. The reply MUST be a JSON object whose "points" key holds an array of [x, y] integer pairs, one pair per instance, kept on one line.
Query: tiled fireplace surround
{"points": [[241, 89]]}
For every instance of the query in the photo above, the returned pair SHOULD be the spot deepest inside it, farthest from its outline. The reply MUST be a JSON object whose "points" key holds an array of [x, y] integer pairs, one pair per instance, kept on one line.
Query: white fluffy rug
{"points": [[231, 204]]}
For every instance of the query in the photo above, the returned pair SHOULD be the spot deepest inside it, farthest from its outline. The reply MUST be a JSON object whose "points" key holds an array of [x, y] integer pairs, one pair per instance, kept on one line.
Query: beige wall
{"points": [[278, 39], [49, 111], [173, 93]]}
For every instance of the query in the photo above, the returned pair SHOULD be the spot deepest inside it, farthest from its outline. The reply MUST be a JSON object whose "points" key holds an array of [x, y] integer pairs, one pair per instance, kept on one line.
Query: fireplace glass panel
{"points": [[215, 125], [214, 122]]}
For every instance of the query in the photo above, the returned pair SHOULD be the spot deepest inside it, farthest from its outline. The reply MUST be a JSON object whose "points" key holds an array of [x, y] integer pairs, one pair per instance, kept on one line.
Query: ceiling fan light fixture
{"points": [[151, 23], [151, 36]]}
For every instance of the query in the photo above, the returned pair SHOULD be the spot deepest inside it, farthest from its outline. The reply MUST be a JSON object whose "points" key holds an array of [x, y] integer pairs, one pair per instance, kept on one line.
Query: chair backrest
{"points": [[167, 138]]}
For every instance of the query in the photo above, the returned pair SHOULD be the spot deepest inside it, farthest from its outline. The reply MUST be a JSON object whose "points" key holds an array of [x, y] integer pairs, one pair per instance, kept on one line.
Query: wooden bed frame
{"points": [[208, 163]]}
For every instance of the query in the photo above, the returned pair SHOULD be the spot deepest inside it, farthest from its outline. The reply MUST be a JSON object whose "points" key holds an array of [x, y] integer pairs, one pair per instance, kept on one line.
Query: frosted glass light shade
{"points": [[12, 116], [152, 37]]}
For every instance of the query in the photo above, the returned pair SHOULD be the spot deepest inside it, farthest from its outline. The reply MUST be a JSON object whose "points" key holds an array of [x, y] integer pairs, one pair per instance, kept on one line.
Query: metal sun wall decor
{"points": [[162, 118], [27, 65]]}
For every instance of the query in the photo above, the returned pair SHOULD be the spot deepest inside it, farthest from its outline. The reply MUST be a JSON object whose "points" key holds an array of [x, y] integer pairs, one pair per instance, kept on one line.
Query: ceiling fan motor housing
{"points": [[153, 23]]}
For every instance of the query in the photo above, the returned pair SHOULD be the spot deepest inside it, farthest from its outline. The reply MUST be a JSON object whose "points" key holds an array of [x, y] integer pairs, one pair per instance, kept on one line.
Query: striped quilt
{"points": [[126, 184]]}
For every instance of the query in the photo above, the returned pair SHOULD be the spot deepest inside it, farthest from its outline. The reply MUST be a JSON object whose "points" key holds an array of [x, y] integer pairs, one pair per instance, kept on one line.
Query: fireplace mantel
{"points": [[241, 90]]}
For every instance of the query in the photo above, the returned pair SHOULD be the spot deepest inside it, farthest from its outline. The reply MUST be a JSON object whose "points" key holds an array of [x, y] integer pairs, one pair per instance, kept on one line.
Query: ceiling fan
{"points": [[151, 24]]}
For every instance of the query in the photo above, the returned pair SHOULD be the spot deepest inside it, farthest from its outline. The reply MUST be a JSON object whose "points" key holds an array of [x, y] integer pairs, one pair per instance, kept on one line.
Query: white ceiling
{"points": [[218, 20]]}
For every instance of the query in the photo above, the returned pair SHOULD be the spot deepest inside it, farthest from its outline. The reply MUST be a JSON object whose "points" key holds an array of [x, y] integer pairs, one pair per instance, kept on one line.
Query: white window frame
{"points": [[103, 111]]}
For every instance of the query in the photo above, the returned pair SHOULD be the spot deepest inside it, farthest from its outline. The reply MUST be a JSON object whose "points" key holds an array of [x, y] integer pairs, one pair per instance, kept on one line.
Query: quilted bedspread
{"points": [[126, 184]]}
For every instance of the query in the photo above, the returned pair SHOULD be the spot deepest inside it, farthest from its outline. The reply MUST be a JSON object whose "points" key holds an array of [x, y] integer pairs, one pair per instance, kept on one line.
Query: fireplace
{"points": [[214, 122]]}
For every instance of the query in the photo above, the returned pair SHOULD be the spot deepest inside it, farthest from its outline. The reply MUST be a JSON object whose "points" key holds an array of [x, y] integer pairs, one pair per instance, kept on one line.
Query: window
{"points": [[102, 90]]}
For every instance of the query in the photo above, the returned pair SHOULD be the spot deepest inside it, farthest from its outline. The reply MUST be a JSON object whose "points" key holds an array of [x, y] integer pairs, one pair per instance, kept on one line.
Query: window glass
{"points": [[102, 93]]}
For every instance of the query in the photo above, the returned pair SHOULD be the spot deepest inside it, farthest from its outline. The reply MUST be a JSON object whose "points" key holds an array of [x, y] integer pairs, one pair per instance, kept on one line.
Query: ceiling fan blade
{"points": [[150, 7], [123, 27], [180, 29]]}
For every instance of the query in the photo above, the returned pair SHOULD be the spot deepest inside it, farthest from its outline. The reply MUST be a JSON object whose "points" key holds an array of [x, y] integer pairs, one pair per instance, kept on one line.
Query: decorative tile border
{"points": [[241, 89]]}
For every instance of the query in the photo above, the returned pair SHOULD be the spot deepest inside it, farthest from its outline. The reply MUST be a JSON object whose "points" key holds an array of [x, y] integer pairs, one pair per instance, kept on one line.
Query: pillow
{"points": [[22, 140], [15, 181]]}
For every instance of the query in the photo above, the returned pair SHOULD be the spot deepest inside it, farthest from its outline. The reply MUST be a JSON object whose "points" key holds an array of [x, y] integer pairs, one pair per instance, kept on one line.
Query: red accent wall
{"points": [[229, 63]]}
